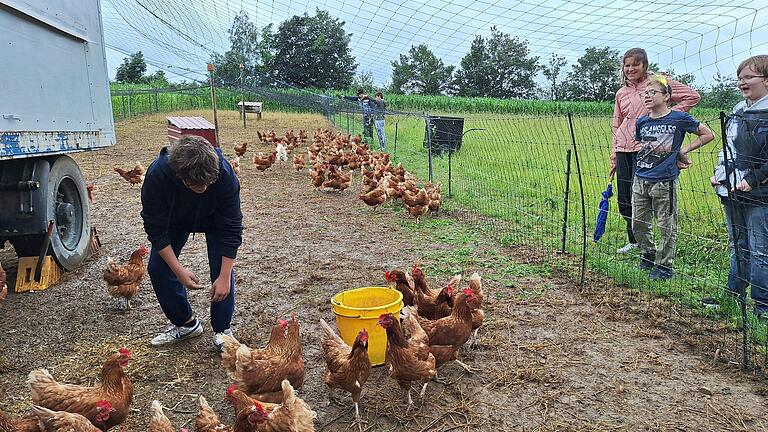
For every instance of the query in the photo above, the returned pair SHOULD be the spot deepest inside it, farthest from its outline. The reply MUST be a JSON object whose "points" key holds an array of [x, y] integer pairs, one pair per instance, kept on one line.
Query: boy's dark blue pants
{"points": [[172, 295]]}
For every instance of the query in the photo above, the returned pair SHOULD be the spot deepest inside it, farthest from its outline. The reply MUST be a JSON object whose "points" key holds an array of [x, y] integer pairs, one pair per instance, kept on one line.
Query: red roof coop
{"points": [[180, 126]]}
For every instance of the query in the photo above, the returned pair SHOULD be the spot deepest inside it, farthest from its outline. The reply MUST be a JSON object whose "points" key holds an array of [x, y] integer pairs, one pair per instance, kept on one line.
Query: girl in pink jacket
{"points": [[627, 109]]}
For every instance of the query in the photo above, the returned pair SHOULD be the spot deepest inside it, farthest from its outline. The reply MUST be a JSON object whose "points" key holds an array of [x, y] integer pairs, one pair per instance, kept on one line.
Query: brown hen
{"points": [[347, 368], [123, 281], [114, 386]]}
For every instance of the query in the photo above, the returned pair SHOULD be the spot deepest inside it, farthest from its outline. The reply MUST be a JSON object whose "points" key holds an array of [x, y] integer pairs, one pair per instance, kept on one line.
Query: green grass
{"points": [[513, 172]]}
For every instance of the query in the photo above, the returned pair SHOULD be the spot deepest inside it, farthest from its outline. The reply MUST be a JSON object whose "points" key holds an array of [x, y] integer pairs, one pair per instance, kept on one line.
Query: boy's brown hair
{"points": [[759, 64], [194, 161]]}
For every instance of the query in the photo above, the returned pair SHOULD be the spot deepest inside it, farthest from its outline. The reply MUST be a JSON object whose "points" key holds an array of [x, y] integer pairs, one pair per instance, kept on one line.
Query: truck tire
{"points": [[68, 205]]}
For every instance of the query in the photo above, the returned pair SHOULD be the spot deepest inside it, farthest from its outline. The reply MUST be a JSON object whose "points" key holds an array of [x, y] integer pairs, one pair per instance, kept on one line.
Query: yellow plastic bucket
{"points": [[361, 308]]}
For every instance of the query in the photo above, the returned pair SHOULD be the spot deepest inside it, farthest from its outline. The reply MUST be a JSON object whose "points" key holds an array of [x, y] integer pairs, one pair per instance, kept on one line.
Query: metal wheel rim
{"points": [[69, 231]]}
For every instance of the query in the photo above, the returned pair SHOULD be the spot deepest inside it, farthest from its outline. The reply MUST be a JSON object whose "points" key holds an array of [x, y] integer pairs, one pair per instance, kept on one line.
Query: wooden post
{"points": [[242, 92], [213, 103]]}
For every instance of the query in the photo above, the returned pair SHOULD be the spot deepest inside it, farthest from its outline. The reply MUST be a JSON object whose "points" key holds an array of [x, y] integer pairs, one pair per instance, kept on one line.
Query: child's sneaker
{"points": [[218, 342], [627, 248], [175, 334], [661, 273], [646, 262]]}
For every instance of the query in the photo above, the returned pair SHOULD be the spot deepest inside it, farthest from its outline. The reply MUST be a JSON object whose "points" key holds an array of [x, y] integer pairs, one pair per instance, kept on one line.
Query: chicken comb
{"points": [[104, 405], [283, 323], [124, 352], [468, 292], [231, 389]]}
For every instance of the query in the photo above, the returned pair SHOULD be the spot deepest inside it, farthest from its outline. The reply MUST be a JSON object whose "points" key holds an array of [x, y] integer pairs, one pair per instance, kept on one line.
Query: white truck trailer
{"points": [[54, 101]]}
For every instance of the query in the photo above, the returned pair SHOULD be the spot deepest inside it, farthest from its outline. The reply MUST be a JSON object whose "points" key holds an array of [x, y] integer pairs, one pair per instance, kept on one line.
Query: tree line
{"points": [[313, 52]]}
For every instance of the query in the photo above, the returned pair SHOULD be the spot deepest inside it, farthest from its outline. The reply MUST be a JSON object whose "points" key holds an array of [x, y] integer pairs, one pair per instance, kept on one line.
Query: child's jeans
{"points": [[751, 235], [657, 200], [172, 295], [367, 126], [380, 133]]}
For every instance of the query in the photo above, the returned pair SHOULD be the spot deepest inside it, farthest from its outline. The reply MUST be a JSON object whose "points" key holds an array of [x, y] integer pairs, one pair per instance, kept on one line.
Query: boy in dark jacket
{"points": [[741, 181], [191, 188]]}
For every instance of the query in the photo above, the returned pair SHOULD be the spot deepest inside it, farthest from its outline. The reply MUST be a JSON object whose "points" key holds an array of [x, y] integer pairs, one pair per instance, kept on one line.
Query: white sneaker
{"points": [[175, 334], [218, 341], [627, 248]]}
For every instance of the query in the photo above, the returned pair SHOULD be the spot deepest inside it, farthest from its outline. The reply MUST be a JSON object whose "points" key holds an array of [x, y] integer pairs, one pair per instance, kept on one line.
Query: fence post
{"points": [[565, 197], [729, 175], [213, 103], [130, 92], [396, 123], [450, 193], [348, 122], [154, 100], [122, 104], [428, 123], [583, 206], [242, 91]]}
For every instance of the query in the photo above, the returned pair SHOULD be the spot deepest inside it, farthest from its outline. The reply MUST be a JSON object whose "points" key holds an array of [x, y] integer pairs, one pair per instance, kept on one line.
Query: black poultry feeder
{"points": [[443, 134]]}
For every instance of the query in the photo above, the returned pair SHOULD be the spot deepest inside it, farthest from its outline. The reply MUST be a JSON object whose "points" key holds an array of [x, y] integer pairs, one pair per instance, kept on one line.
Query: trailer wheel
{"points": [[68, 207]]}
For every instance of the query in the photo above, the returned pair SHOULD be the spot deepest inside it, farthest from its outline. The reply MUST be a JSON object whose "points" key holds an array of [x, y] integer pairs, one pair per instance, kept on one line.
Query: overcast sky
{"points": [[701, 37]]}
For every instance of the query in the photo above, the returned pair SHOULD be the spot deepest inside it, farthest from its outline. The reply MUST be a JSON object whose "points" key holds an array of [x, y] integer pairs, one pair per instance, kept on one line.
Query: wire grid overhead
{"points": [[700, 37]]}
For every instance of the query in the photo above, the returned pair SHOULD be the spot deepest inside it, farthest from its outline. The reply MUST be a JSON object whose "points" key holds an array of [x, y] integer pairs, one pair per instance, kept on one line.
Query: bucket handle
{"points": [[347, 316]]}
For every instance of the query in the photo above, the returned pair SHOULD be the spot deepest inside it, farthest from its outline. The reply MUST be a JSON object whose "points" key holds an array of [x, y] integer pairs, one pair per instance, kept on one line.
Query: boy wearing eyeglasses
{"points": [[654, 189], [741, 182]]}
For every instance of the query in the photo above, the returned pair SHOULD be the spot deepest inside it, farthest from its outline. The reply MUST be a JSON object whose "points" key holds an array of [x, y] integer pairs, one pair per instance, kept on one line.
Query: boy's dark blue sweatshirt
{"points": [[169, 205]]}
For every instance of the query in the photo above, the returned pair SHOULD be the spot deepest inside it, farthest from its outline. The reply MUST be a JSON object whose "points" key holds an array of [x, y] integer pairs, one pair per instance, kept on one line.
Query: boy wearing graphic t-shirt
{"points": [[654, 190]]}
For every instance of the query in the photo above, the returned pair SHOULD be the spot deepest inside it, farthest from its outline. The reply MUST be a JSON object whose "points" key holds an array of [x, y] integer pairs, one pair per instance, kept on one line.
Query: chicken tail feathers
{"points": [[475, 280], [38, 380], [289, 396], [328, 331], [43, 415], [157, 418]]}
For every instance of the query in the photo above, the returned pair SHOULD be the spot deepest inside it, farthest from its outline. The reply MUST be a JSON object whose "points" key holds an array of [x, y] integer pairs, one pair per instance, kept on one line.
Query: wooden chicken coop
{"points": [[178, 127]]}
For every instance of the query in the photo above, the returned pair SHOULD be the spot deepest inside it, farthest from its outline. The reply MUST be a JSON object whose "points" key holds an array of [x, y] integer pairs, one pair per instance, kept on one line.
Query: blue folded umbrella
{"points": [[602, 214]]}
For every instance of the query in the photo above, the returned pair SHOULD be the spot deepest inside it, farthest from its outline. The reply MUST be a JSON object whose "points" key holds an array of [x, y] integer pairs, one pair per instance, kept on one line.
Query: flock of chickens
{"points": [[328, 156], [331, 153], [436, 323]]}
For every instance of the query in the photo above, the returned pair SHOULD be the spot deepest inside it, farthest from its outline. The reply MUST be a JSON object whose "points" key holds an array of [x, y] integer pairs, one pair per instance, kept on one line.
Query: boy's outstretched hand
{"points": [[189, 279], [219, 289]]}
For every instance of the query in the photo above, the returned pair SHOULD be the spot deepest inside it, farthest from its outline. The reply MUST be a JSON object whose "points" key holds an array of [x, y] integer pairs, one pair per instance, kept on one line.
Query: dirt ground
{"points": [[559, 359]]}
